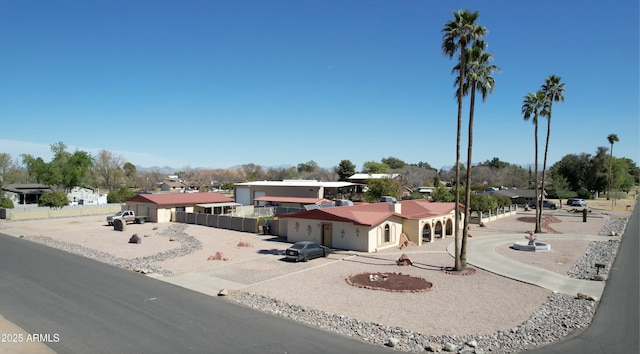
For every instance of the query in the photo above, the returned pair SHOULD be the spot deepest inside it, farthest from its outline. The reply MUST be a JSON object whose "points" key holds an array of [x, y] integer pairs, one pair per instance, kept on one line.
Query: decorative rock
{"points": [[220, 257], [211, 258], [404, 260], [393, 342], [223, 292], [449, 347], [582, 296], [135, 239], [472, 343], [404, 241], [118, 225], [433, 347], [244, 244]]}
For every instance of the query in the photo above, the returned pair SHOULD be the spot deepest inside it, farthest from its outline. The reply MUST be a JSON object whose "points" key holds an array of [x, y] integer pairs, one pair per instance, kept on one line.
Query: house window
{"points": [[181, 208], [387, 233]]}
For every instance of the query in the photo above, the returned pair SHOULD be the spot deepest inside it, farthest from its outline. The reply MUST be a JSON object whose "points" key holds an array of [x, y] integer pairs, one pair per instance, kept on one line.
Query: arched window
{"points": [[387, 233]]}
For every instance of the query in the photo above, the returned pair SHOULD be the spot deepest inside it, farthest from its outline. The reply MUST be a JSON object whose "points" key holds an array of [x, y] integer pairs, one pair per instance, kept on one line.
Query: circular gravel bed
{"points": [[396, 282]]}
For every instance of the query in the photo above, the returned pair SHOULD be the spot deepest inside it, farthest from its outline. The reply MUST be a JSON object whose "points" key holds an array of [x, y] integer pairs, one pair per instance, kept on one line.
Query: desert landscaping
{"points": [[252, 270]]}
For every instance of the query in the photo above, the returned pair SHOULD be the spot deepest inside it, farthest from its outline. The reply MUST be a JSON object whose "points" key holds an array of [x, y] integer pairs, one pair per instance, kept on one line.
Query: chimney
{"points": [[395, 207]]}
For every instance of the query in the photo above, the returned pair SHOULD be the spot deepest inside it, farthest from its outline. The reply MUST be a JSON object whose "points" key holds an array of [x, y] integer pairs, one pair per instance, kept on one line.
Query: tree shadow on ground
{"points": [[389, 262], [275, 239]]}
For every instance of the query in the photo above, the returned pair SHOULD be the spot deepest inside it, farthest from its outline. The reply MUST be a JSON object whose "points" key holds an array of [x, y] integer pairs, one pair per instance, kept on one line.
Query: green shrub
{"points": [[503, 201], [53, 200], [6, 203], [119, 195], [584, 194]]}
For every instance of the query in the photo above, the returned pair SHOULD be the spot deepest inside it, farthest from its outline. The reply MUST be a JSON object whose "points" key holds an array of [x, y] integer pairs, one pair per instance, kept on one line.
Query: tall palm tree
{"points": [[553, 89], [534, 105], [478, 79], [612, 139], [458, 34]]}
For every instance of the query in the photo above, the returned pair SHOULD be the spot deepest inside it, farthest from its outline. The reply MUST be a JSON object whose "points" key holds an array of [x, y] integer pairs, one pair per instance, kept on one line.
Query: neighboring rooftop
{"points": [[181, 198]]}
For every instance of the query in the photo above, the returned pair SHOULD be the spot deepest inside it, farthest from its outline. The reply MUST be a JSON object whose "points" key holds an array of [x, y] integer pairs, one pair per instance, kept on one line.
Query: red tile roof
{"points": [[180, 198], [373, 214], [422, 208]]}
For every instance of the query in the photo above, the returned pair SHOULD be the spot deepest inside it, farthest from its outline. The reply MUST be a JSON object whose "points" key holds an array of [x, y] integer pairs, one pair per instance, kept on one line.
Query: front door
{"points": [[327, 232]]}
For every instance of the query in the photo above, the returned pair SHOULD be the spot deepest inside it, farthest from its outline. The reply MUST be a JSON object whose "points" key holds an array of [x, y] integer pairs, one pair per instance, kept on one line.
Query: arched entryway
{"points": [[426, 233], [438, 230], [449, 228]]}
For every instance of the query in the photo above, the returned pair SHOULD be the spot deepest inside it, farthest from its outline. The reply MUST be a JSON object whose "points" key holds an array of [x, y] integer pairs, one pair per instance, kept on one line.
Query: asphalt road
{"points": [[614, 329], [82, 306]]}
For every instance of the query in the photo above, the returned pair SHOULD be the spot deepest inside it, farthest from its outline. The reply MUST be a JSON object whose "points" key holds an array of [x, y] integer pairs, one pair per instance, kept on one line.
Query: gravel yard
{"points": [[484, 307]]}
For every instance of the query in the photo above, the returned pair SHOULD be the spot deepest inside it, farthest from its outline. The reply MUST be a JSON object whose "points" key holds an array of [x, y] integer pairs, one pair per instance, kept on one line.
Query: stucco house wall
{"points": [[376, 235], [347, 235], [304, 230]]}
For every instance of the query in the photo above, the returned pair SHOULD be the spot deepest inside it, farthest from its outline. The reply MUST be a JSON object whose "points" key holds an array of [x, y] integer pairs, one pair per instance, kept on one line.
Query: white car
{"points": [[576, 202]]}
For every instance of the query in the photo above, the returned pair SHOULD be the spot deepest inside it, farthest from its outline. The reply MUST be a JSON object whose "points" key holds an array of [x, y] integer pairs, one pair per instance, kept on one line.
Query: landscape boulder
{"points": [[218, 257], [433, 347], [135, 239], [404, 260], [118, 225]]}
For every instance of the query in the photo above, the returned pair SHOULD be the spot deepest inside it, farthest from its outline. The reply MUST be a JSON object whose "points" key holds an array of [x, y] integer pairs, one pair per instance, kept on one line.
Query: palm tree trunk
{"points": [[535, 175], [609, 179], [544, 164], [457, 199], [467, 204]]}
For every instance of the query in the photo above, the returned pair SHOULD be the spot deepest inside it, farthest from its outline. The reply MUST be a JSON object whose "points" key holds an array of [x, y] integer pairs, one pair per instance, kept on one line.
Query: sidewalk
{"points": [[481, 253]]}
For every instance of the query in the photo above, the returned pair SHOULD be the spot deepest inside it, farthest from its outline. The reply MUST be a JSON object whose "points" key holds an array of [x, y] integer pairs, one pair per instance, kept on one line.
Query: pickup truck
{"points": [[128, 216]]}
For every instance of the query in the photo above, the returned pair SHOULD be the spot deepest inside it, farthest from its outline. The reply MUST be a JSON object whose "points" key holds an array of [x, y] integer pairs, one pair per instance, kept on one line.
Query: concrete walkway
{"points": [[481, 253]]}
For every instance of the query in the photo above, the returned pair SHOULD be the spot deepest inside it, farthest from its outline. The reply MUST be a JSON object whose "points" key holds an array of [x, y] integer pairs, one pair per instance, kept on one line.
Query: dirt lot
{"points": [[491, 302]]}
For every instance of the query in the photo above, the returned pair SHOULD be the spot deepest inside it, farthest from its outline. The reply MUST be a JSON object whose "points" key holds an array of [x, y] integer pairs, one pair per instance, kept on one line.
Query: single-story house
{"points": [[517, 196], [86, 196], [162, 207], [25, 193], [371, 227], [173, 186], [247, 193]]}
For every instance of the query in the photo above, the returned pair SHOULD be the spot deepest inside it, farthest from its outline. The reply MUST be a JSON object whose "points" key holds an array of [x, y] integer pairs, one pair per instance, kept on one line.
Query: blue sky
{"points": [[222, 83]]}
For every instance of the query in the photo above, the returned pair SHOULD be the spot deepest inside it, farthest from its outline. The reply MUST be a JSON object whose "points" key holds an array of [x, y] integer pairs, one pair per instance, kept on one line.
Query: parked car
{"points": [[306, 250], [546, 204], [576, 202]]}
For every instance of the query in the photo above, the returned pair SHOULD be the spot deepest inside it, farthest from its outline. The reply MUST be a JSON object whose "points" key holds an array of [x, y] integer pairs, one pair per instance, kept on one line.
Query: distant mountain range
{"points": [[170, 170], [167, 170]]}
